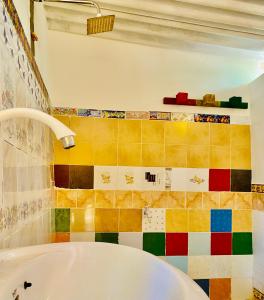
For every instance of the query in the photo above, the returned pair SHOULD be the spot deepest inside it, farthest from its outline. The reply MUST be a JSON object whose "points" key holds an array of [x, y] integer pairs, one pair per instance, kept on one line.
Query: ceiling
{"points": [[183, 24]]}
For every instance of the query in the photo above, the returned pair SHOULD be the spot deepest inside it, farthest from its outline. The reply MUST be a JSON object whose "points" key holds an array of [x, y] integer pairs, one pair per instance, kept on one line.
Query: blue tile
{"points": [[221, 220], [180, 262], [204, 284]]}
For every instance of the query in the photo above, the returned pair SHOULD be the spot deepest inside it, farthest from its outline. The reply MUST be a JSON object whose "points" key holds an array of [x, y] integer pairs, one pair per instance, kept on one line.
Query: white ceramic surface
{"points": [[92, 271]]}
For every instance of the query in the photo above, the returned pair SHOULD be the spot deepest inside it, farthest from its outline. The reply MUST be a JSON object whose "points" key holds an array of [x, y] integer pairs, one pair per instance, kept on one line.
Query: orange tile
{"points": [[130, 220], [82, 154], [82, 220], [62, 237], [220, 289], [106, 220]]}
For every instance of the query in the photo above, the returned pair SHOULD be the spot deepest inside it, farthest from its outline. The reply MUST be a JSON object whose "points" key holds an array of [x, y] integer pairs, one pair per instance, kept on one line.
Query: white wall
{"points": [[23, 9], [95, 73]]}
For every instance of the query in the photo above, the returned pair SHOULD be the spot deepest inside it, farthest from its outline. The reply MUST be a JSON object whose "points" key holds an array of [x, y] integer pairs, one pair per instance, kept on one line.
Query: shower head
{"points": [[99, 23]]}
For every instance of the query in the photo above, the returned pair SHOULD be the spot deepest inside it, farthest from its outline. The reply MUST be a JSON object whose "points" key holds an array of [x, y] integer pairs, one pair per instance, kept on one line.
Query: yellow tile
{"points": [[240, 135], [66, 198], [105, 154], [211, 200], [199, 220], [258, 201], [243, 201], [82, 220], [176, 200], [141, 199], [61, 155], [227, 199], [198, 157], [105, 130], [106, 220], [104, 199], [129, 154], [82, 154], [153, 155], [159, 199], [85, 198], [176, 133], [240, 157], [242, 220], [194, 200], [220, 157], [63, 119], [130, 220], [220, 134], [129, 131], [176, 156], [176, 220], [123, 199], [83, 127], [152, 131], [198, 133]]}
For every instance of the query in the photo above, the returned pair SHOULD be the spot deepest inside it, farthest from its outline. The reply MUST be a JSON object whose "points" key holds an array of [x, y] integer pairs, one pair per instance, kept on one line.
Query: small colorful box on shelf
{"points": [[208, 101]]}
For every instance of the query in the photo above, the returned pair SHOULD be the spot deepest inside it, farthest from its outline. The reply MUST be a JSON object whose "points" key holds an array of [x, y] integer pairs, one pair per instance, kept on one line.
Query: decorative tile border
{"points": [[142, 115], [208, 101], [21, 34], [257, 188], [258, 294]]}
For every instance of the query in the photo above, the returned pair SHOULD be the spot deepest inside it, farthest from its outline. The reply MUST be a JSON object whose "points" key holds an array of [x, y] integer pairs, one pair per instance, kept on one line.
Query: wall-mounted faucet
{"points": [[62, 132]]}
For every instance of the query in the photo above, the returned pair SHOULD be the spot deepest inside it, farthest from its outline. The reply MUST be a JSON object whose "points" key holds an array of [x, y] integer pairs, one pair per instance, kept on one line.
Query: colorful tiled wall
{"points": [[25, 145], [179, 188]]}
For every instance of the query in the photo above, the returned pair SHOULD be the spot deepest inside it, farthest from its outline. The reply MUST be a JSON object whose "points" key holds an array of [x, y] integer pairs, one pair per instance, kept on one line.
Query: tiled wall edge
{"points": [[23, 39], [257, 294]]}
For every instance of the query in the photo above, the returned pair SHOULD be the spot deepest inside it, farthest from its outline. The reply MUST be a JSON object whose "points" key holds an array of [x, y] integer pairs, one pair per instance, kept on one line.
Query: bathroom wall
{"points": [[107, 74], [257, 106], [177, 185], [25, 145]]}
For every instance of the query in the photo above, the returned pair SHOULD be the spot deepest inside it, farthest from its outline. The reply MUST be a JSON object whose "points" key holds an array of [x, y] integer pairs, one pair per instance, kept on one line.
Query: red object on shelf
{"points": [[191, 102], [168, 100], [182, 98]]}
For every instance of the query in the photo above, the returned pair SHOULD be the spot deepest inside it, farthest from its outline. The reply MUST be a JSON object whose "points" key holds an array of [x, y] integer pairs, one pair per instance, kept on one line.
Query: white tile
{"points": [[131, 239], [158, 185], [82, 237], [199, 266], [179, 179], [199, 243], [129, 178], [242, 265], [221, 266], [154, 220], [197, 180], [240, 119], [241, 288], [105, 178]]}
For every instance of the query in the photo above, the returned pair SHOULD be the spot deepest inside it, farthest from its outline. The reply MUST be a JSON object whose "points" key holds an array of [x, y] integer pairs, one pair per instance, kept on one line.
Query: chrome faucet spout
{"points": [[62, 132]]}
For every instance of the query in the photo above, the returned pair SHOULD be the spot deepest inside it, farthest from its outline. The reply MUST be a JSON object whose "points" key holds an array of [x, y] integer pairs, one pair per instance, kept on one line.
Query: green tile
{"points": [[52, 220], [107, 237], [242, 243], [154, 242], [62, 219]]}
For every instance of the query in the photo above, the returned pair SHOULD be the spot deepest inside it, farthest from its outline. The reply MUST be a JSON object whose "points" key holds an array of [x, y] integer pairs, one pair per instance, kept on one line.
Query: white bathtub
{"points": [[91, 271]]}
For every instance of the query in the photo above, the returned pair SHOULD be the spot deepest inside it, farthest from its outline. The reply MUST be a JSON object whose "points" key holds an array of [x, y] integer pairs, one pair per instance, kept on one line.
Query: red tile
{"points": [[221, 243], [62, 237], [176, 244], [219, 180]]}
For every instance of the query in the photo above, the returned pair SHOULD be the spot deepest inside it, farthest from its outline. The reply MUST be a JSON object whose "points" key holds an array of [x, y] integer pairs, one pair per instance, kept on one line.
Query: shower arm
{"points": [[87, 2]]}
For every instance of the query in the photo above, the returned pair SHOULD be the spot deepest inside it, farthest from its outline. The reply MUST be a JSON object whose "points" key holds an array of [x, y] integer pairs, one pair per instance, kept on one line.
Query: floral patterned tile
{"points": [[89, 113], [153, 220], [156, 115], [212, 118], [113, 114], [137, 115], [64, 111], [180, 116]]}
